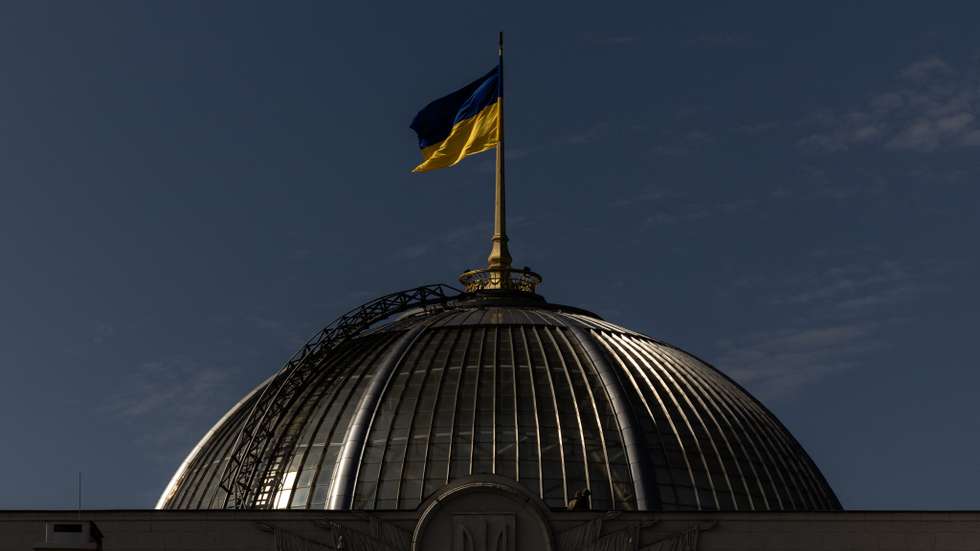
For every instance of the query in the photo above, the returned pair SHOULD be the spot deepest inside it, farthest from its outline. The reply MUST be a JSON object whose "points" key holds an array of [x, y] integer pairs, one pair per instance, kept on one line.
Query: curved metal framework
{"points": [[257, 429]]}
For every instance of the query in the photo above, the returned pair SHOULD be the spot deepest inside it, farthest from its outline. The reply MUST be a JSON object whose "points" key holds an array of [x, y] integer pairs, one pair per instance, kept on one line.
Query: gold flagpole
{"points": [[499, 259], [499, 274]]}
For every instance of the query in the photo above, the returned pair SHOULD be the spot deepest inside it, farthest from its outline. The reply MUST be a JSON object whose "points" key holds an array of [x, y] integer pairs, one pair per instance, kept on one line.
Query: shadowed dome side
{"points": [[551, 397]]}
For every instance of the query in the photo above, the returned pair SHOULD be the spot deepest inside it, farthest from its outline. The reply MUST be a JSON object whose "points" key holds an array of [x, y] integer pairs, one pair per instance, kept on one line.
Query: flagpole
{"points": [[499, 259]]}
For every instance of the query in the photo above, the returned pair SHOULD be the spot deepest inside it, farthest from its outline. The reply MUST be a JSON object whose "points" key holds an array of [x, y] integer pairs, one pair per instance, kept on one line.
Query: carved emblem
{"points": [[478, 532]]}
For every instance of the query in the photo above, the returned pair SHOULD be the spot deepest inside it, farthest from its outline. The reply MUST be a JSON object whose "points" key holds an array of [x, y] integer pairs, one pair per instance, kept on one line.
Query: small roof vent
{"points": [[71, 535]]}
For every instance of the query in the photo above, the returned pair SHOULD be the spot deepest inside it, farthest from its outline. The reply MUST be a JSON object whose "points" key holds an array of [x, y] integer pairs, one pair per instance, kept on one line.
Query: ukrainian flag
{"points": [[460, 124]]}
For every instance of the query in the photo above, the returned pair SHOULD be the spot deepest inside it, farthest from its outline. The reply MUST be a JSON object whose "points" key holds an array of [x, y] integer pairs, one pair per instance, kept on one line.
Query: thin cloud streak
{"points": [[780, 363], [177, 393], [934, 108], [842, 312]]}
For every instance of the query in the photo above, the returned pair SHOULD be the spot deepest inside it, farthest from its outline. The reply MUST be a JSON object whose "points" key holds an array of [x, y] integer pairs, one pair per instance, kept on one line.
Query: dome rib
{"points": [[438, 396], [592, 406], [342, 484], [636, 459], [717, 429]]}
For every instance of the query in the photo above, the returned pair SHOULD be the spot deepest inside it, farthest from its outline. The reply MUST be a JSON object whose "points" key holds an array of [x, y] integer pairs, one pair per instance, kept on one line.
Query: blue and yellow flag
{"points": [[460, 124]]}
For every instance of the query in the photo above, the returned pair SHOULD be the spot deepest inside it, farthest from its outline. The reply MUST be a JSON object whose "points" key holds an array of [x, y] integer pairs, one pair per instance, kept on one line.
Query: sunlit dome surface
{"points": [[550, 396]]}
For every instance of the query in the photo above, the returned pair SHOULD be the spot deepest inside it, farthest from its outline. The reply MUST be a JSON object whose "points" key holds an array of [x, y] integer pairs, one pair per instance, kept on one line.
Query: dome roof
{"points": [[550, 396]]}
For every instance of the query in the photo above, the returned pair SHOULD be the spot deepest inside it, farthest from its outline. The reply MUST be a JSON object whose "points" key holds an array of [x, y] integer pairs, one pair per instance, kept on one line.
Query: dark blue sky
{"points": [[190, 190]]}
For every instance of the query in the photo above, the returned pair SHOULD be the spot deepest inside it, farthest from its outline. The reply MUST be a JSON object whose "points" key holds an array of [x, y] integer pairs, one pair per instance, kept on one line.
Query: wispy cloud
{"points": [[925, 68], [850, 286], [779, 363], [175, 393], [178, 386], [932, 107], [841, 312]]}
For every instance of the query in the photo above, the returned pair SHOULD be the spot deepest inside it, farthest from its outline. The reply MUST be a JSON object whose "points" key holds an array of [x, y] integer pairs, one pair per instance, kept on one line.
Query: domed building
{"points": [[496, 381], [434, 388], [488, 419]]}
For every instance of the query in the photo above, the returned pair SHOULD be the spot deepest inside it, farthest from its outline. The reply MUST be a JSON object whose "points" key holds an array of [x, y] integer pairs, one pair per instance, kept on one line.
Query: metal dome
{"points": [[499, 383]]}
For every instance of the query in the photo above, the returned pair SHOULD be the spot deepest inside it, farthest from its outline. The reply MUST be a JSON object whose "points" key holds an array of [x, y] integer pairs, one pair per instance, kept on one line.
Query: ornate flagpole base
{"points": [[506, 279]]}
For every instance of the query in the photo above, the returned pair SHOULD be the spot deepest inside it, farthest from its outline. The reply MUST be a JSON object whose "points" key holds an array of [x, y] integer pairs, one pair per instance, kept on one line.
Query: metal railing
{"points": [[509, 279]]}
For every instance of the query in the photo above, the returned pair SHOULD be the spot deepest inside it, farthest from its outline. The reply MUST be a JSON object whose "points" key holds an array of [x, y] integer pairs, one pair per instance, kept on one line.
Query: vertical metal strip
{"points": [[663, 407], [806, 474], [595, 412], [211, 458], [435, 408], [426, 338], [270, 447], [459, 383], [534, 400], [732, 410], [802, 476], [554, 401], [789, 459], [775, 439], [624, 341], [344, 477], [476, 395], [578, 414], [197, 476], [637, 455], [330, 373], [517, 429], [346, 388], [415, 409], [766, 441], [675, 377], [215, 496], [493, 403], [698, 391]]}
